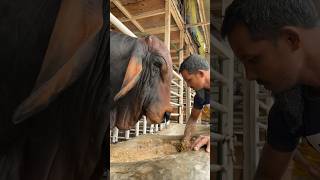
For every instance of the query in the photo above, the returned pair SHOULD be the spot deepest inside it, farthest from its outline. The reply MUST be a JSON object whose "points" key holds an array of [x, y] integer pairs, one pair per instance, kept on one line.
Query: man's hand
{"points": [[190, 128], [201, 141]]}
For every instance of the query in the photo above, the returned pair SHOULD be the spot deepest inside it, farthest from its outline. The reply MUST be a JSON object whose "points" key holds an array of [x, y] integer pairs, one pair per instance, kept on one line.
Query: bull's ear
{"points": [[164, 69], [47, 91], [131, 77]]}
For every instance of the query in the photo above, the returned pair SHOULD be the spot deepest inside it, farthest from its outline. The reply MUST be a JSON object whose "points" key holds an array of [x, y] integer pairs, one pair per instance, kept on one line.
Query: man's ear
{"points": [[201, 73], [292, 36]]}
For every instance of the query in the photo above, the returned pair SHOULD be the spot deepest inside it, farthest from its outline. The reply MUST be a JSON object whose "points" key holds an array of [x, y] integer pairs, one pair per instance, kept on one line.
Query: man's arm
{"points": [[189, 130], [313, 170], [272, 164], [191, 125]]}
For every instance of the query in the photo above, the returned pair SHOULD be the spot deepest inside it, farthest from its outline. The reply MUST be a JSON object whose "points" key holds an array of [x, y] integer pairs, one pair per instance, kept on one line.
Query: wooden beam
{"points": [[181, 24], [160, 30], [203, 19], [181, 46], [126, 13], [198, 24], [167, 30], [226, 51], [225, 4], [144, 15], [177, 16]]}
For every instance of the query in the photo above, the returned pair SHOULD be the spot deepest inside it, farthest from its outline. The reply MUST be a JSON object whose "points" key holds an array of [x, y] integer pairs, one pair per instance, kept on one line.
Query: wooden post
{"points": [[250, 109], [227, 121], [167, 24]]}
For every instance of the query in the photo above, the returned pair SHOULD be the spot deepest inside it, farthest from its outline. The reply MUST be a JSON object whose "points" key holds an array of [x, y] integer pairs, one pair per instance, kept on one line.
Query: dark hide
{"points": [[53, 90], [152, 86]]}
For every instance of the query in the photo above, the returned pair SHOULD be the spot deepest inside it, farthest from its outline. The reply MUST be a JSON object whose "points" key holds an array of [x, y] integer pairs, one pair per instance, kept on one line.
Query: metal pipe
{"points": [[218, 76], [127, 134], [177, 75], [175, 104], [217, 136], [144, 125], [175, 84], [176, 94], [137, 128], [219, 107], [216, 168], [115, 21], [151, 129], [115, 133], [263, 105]]}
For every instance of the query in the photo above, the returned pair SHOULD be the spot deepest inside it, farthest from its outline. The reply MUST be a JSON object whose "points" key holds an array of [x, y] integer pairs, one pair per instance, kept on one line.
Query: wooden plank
{"points": [[144, 15], [160, 30], [180, 23], [220, 77], [176, 15], [202, 20], [227, 119], [167, 30], [227, 52], [198, 24], [128, 14]]}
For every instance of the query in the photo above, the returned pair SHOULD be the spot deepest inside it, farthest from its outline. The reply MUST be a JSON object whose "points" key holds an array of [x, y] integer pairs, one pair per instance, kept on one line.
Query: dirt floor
{"points": [[143, 148], [155, 156], [149, 146]]}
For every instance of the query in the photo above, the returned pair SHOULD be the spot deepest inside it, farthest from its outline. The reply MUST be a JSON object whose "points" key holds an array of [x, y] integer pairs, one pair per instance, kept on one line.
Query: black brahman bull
{"points": [[140, 79], [53, 89]]}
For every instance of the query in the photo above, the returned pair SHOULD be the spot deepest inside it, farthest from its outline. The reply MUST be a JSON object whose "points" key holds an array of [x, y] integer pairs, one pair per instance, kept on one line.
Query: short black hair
{"points": [[194, 63], [265, 18]]}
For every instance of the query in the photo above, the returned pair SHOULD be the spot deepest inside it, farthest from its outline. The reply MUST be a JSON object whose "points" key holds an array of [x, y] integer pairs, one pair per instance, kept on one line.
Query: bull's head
{"points": [[145, 89]]}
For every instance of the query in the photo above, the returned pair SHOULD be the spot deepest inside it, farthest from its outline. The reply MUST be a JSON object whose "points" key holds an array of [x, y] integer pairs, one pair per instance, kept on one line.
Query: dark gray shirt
{"points": [[294, 114]]}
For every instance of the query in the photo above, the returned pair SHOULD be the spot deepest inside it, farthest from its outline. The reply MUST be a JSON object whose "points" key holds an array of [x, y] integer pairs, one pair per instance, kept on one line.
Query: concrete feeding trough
{"points": [[156, 157]]}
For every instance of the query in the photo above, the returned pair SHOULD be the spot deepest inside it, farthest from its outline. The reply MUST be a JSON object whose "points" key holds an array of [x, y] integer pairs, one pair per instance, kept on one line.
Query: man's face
{"points": [[274, 64], [195, 80]]}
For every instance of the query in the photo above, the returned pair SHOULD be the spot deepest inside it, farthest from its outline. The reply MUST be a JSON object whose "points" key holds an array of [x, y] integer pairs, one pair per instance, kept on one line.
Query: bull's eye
{"points": [[158, 64], [155, 70]]}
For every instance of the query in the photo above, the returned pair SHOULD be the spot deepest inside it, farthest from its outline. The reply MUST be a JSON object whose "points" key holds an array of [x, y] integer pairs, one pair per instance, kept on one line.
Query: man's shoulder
{"points": [[203, 93], [294, 114]]}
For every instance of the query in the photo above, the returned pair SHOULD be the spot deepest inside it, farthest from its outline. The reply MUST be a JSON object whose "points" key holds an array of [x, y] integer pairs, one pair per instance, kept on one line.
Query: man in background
{"points": [[195, 70]]}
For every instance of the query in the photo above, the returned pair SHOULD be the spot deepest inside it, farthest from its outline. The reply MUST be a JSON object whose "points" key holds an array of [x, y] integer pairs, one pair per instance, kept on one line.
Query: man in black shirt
{"points": [[195, 71], [278, 43]]}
